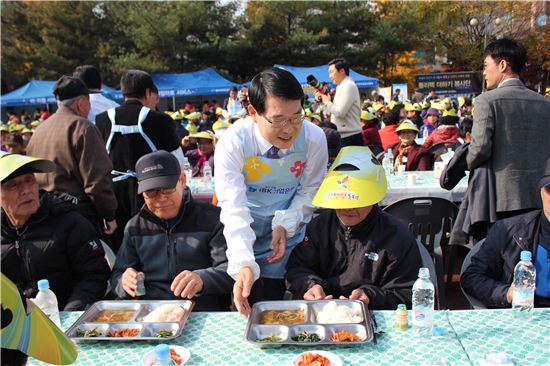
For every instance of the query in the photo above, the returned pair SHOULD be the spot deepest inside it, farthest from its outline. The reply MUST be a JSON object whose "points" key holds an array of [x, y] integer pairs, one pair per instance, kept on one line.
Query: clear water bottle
{"points": [[207, 172], [187, 169], [390, 156], [162, 351], [47, 301], [423, 305], [425, 134], [386, 164], [524, 286]]}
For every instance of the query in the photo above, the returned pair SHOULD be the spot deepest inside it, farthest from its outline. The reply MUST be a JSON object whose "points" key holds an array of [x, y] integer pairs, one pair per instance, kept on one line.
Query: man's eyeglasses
{"points": [[279, 122], [153, 193]]}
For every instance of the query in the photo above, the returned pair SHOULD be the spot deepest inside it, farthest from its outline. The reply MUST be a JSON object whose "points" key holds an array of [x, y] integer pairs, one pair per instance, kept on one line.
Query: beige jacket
{"points": [[345, 110], [75, 145]]}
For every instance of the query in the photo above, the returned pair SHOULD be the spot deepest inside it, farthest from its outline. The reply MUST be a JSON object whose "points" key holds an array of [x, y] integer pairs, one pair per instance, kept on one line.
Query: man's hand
{"points": [[187, 284], [278, 244], [110, 227], [510, 294], [129, 281], [325, 98], [316, 292], [241, 290], [185, 141], [358, 294]]}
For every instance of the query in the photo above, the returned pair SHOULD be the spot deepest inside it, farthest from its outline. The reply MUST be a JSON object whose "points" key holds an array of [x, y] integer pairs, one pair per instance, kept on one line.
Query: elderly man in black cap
{"points": [[74, 144], [490, 274], [177, 244], [44, 237], [131, 131]]}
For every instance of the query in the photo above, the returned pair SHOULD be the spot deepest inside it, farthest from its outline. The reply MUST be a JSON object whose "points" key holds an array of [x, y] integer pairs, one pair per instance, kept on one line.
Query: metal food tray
{"points": [[141, 308], [256, 331]]}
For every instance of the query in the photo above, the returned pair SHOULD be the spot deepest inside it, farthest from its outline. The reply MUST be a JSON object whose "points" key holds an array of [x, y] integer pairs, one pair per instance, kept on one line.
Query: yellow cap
{"points": [[392, 104], [352, 188], [450, 112], [35, 123], [409, 106], [220, 124], [19, 127], [202, 135], [27, 130], [219, 111], [308, 113], [176, 115], [425, 104], [10, 163], [377, 106], [193, 116], [406, 125], [461, 101], [192, 128], [366, 115]]}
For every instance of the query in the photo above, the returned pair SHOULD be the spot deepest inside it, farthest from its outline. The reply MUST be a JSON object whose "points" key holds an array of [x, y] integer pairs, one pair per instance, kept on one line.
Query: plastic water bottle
{"points": [[390, 156], [386, 164], [207, 172], [162, 351], [47, 301], [425, 134], [524, 286], [423, 305], [187, 169]]}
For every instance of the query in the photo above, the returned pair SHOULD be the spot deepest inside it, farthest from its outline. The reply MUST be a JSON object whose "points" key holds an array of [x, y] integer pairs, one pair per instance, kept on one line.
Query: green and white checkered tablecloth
{"points": [[497, 331], [218, 339]]}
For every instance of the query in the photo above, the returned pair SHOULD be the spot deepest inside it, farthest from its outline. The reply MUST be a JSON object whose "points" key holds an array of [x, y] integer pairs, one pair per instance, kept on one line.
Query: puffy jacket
{"points": [[491, 271], [378, 255], [442, 134], [195, 243], [60, 245]]}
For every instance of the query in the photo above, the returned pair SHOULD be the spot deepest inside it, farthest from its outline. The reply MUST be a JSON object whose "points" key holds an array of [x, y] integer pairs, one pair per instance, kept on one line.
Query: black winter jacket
{"points": [[60, 245], [195, 243], [491, 271], [378, 255]]}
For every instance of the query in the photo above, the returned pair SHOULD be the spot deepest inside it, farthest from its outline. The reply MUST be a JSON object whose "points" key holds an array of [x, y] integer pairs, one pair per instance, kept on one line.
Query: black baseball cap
{"points": [[157, 170], [545, 180], [68, 87]]}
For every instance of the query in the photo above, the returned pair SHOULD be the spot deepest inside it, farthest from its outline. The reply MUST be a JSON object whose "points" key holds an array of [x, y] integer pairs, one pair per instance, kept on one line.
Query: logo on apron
{"points": [[297, 168], [254, 168]]}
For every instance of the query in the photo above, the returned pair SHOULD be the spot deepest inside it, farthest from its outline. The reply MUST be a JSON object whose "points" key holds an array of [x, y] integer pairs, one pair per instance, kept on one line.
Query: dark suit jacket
{"points": [[512, 130]]}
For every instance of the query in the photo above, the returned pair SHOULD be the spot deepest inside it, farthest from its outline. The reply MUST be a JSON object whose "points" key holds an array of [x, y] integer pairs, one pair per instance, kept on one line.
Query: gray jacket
{"points": [[512, 130], [193, 242]]}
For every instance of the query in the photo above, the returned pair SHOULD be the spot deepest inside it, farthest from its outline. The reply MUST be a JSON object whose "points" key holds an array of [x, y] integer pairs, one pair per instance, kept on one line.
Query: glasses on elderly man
{"points": [[153, 193], [279, 122]]}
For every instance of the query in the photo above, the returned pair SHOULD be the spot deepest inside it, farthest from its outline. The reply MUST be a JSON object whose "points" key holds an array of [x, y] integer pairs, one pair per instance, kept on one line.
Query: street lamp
{"points": [[474, 23]]}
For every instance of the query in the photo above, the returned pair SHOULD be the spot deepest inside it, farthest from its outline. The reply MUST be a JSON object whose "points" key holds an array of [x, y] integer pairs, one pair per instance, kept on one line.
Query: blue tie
{"points": [[273, 153]]}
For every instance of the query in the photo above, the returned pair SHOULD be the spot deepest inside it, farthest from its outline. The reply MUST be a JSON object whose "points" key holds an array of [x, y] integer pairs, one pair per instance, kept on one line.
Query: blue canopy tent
{"points": [[203, 82], [36, 92], [321, 74]]}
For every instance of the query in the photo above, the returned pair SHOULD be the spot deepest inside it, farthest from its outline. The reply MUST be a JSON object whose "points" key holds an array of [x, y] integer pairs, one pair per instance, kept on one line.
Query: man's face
{"points": [[353, 216], [281, 135], [233, 94], [165, 203], [206, 146], [20, 197], [336, 75], [407, 137], [493, 72], [545, 196], [411, 114]]}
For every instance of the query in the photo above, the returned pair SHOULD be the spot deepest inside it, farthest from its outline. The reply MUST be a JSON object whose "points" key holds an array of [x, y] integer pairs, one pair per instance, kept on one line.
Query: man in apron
{"points": [[268, 168]]}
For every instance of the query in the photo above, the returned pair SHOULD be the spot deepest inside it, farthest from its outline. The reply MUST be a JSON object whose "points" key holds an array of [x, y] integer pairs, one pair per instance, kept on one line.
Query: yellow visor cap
{"points": [[343, 189]]}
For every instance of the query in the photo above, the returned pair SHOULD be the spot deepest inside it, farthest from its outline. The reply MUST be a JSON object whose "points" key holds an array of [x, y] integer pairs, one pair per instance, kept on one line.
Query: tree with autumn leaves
{"points": [[390, 40]]}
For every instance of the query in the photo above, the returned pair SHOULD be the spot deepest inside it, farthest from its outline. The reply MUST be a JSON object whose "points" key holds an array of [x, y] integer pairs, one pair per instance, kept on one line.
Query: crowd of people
{"points": [[98, 175]]}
